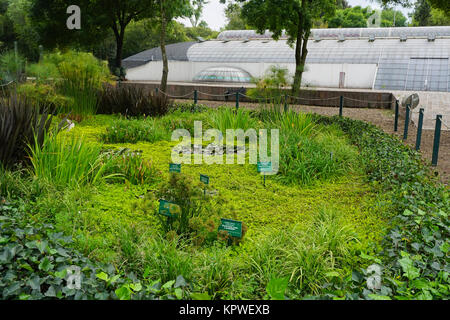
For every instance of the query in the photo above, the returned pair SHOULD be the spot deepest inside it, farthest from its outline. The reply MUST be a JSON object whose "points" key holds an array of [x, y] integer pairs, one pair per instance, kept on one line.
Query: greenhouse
{"points": [[410, 58]]}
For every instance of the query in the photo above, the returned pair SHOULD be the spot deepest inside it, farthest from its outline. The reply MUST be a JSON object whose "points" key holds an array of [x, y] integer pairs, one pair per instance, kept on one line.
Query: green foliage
{"points": [[80, 76], [228, 118], [354, 17], [44, 95], [130, 165], [422, 13], [308, 156], [270, 88], [134, 130], [414, 252], [198, 217], [69, 161], [132, 101], [20, 121], [12, 67], [35, 261], [189, 107], [387, 18], [295, 18], [277, 287]]}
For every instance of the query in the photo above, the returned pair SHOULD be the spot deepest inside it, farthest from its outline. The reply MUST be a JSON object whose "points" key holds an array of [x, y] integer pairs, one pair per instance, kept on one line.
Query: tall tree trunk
{"points": [[165, 72], [298, 57], [120, 36]]}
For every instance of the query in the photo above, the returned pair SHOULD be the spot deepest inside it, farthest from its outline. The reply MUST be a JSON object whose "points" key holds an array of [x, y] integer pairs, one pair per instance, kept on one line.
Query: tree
{"points": [[202, 30], [443, 5], [425, 15], [7, 34], [295, 17], [355, 17], [197, 11], [233, 13], [169, 10], [342, 4], [439, 18], [392, 18], [15, 25], [422, 13], [97, 17]]}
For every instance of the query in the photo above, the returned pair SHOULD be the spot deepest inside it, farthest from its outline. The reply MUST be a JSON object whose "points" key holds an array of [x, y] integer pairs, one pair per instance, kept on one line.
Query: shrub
{"points": [[19, 122], [44, 95], [269, 88], [11, 67], [130, 165], [227, 118], [189, 107], [132, 131], [308, 156], [132, 101], [69, 161], [78, 75], [414, 254], [35, 261], [198, 215]]}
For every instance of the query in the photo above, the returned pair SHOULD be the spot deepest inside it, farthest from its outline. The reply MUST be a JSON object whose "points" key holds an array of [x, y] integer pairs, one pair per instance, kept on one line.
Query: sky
{"points": [[214, 15]]}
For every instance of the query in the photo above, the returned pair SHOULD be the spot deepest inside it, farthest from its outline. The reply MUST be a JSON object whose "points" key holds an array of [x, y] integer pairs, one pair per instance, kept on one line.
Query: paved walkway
{"points": [[433, 103]]}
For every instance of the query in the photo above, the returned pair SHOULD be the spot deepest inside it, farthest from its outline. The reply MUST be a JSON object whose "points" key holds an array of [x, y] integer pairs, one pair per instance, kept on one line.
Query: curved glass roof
{"points": [[352, 33], [328, 51], [223, 74]]}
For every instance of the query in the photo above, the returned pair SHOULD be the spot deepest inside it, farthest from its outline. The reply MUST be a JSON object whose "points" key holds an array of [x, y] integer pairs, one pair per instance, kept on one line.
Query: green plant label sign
{"points": [[174, 167], [204, 179], [234, 228], [264, 166], [168, 209]]}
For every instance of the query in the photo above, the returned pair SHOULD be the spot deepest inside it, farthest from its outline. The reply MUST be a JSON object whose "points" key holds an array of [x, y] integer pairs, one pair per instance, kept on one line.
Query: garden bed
{"points": [[312, 230]]}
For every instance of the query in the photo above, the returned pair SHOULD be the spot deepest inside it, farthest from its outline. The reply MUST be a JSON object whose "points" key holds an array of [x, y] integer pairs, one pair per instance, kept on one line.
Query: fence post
{"points": [[41, 52], [437, 138], [405, 132], [195, 97], [341, 106], [285, 103], [396, 116], [16, 60], [237, 100], [419, 129]]}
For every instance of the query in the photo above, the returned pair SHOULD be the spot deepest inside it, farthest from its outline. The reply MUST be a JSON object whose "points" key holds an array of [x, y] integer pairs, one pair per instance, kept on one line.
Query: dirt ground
{"points": [[384, 119]]}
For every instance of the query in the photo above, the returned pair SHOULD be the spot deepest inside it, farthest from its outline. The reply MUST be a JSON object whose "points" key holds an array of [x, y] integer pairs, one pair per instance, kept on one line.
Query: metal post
{"points": [[437, 138], [285, 103], [341, 106], [195, 97], [16, 60], [419, 129], [41, 52], [405, 132], [396, 116], [237, 100]]}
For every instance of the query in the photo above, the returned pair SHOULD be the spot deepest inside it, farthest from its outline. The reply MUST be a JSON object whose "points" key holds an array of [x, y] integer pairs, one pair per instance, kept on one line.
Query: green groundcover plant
{"points": [[415, 252], [35, 259], [323, 259]]}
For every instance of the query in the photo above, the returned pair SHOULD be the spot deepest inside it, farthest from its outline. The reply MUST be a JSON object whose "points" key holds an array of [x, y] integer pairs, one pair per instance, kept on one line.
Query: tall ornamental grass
{"points": [[227, 118], [69, 161], [76, 75]]}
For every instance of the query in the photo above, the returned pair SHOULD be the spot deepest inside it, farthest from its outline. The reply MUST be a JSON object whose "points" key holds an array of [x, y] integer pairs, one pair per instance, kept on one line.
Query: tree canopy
{"points": [[295, 17], [351, 17]]}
